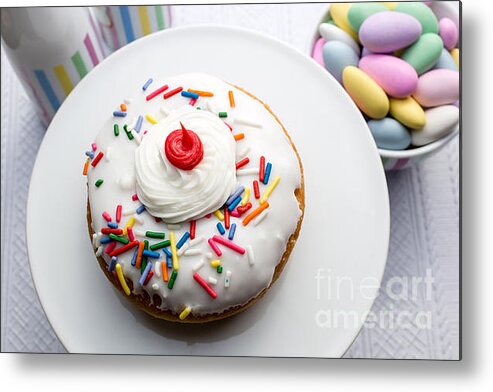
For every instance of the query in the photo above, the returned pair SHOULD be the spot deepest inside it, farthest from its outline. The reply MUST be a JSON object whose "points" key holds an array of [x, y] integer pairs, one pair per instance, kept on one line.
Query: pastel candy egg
{"points": [[440, 121], [360, 11], [456, 56], [389, 134], [337, 56], [408, 112], [422, 13], [338, 12], [446, 9], [390, 4], [395, 76], [448, 33], [388, 31], [333, 33], [437, 87], [424, 54], [317, 51], [365, 92], [446, 61]]}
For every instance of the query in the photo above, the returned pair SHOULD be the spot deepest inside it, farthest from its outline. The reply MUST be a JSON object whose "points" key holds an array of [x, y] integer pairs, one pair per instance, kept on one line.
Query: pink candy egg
{"points": [[448, 33], [396, 77], [317, 51], [437, 87]]}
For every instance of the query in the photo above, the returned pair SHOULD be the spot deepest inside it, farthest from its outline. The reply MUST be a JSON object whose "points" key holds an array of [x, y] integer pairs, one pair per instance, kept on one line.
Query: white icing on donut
{"points": [[265, 244], [178, 195]]}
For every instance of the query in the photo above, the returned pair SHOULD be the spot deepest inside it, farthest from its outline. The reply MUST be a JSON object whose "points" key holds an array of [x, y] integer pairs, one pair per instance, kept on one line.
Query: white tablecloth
{"points": [[424, 228]]}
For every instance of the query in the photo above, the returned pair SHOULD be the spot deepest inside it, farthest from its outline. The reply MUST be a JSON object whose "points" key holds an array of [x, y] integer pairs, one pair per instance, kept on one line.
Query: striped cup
{"points": [[119, 25], [51, 49]]}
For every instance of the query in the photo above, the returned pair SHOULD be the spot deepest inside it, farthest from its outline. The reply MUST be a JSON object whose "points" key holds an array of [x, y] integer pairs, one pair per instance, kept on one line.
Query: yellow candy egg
{"points": [[390, 4], [456, 56], [339, 11], [365, 92], [408, 112]]}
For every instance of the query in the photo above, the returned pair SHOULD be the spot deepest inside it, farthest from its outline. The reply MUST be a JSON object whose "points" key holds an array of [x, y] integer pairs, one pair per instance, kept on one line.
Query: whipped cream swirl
{"points": [[177, 195]]}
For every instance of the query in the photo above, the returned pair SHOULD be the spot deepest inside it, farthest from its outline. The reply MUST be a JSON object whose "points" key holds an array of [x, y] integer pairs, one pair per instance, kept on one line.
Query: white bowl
{"points": [[402, 159]]}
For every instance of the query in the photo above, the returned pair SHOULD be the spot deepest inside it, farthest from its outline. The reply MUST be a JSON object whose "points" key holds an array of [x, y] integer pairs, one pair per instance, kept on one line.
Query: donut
{"points": [[195, 198]]}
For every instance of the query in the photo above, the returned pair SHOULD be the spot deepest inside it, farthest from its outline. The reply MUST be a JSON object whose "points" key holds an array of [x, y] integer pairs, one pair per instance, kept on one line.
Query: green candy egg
{"points": [[424, 53], [360, 11], [422, 13]]}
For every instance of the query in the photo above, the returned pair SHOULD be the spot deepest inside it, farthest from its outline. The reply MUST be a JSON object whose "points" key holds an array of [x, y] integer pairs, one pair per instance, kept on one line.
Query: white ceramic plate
{"points": [[343, 241]]}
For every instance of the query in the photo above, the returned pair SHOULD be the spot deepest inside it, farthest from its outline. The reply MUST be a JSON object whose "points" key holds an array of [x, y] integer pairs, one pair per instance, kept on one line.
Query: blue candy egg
{"points": [[389, 134], [337, 56], [446, 61]]}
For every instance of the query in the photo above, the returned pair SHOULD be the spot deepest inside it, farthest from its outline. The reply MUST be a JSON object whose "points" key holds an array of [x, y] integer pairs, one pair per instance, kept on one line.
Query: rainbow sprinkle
{"points": [[147, 84], [231, 99], [175, 91], [220, 228], [160, 245], [229, 244], [232, 231], [138, 125], [172, 279], [174, 256], [96, 160], [235, 195], [189, 94], [184, 314], [154, 234], [219, 215], [155, 93], [183, 239], [204, 285], [86, 167], [246, 196], [269, 190], [122, 279], [143, 277], [151, 119], [201, 93], [268, 169]]}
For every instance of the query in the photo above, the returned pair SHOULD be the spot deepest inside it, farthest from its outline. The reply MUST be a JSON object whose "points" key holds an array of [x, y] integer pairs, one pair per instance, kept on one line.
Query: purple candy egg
{"points": [[396, 77], [388, 31]]}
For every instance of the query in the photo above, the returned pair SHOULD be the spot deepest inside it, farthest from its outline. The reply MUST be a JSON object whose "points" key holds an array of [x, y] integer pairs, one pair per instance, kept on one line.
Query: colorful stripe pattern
{"points": [[47, 89], [90, 50], [63, 78], [127, 23], [79, 64], [159, 17], [120, 25], [131, 17], [58, 82], [144, 20]]}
